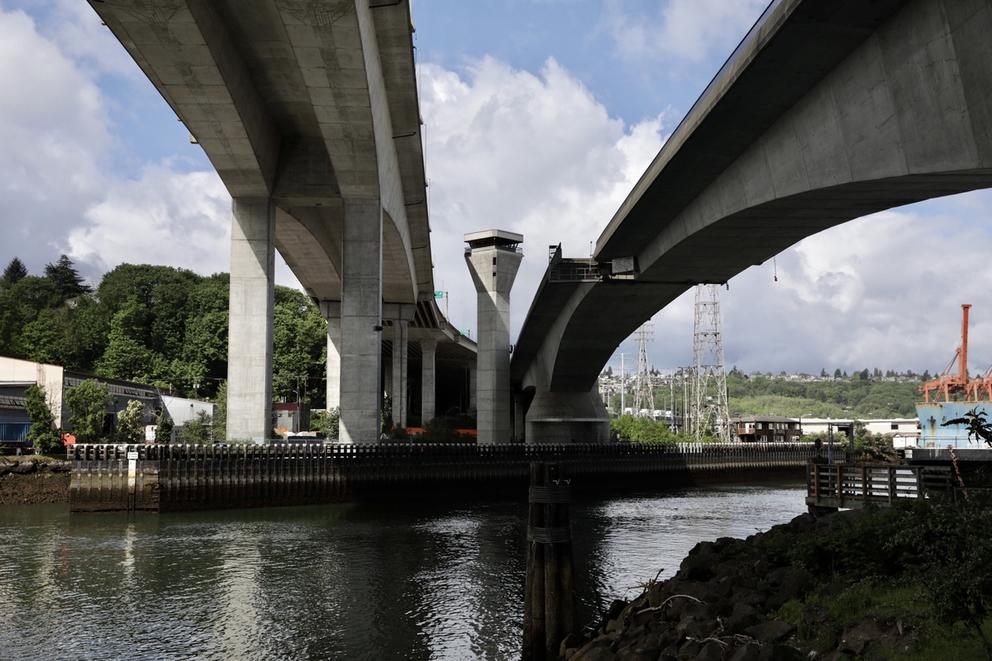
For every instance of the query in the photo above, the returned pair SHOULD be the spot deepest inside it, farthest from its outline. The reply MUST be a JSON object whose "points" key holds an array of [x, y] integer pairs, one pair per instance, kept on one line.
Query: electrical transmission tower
{"points": [[709, 412], [643, 392]]}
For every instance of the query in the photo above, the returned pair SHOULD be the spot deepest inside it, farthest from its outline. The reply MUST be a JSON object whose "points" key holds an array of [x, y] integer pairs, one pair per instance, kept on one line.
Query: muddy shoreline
{"points": [[34, 482]]}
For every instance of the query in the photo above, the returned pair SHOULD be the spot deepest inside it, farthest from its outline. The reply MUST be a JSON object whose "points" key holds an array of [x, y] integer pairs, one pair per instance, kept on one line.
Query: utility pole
{"points": [[671, 396], [623, 385], [710, 411]]}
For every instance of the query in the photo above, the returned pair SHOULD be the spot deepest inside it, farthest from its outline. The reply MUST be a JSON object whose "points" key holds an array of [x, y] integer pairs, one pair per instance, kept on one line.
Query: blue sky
{"points": [[540, 115]]}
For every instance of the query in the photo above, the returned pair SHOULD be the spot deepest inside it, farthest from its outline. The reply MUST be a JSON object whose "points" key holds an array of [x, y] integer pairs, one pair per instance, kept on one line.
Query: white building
{"points": [[904, 431]]}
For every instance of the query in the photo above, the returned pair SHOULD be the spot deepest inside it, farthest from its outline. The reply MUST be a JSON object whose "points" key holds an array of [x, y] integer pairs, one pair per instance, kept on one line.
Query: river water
{"points": [[364, 581]]}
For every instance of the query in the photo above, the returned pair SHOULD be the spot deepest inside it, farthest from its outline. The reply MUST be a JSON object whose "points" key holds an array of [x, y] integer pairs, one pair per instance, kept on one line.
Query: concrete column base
{"points": [[567, 417]]}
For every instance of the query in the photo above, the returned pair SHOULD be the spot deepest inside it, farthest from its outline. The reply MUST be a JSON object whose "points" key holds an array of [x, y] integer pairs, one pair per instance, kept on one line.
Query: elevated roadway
{"points": [[309, 113], [828, 110]]}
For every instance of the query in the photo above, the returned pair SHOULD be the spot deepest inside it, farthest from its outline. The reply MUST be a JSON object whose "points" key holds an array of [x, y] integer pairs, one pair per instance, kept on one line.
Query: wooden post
{"points": [[549, 609], [892, 485]]}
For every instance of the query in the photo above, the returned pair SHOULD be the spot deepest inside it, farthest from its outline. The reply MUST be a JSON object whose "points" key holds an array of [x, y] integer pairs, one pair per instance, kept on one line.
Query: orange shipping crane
{"points": [[948, 382], [981, 387]]}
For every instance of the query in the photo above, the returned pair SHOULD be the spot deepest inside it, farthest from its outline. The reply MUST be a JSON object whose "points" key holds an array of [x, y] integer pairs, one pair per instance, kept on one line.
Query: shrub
{"points": [[196, 431], [42, 434], [130, 421]]}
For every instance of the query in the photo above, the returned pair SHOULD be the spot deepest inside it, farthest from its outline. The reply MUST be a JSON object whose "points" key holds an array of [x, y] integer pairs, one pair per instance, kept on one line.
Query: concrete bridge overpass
{"points": [[309, 113], [827, 111]]}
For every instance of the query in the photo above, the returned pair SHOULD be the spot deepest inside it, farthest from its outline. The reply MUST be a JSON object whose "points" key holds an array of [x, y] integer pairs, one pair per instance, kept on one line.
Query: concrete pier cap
{"points": [[493, 257], [494, 238]]}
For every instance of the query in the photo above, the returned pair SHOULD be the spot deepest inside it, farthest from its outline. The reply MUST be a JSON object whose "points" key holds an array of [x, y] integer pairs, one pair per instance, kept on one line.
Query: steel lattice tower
{"points": [[643, 393], [709, 412]]}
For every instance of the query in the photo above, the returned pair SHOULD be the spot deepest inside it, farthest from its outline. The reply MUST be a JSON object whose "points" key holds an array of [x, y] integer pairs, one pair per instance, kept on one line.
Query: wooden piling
{"points": [[549, 592]]}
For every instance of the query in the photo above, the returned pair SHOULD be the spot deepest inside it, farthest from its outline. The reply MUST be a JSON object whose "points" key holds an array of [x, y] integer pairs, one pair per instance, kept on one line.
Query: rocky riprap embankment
{"points": [[725, 604], [29, 481]]}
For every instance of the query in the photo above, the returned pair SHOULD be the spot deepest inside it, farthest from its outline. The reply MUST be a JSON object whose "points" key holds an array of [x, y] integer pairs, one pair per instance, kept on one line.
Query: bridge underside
{"points": [[828, 111], [309, 113]]}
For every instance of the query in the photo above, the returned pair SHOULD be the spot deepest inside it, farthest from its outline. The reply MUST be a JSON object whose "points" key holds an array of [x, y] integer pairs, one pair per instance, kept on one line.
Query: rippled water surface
{"points": [[400, 581]]}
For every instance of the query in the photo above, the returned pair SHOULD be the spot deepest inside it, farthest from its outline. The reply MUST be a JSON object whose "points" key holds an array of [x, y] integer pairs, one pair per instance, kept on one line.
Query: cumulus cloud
{"points": [[531, 153], [58, 191], [161, 217], [686, 29], [52, 123], [881, 291], [539, 154], [534, 152]]}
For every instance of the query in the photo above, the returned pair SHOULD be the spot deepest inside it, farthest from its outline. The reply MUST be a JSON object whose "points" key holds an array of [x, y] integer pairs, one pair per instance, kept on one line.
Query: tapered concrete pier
{"points": [[493, 258]]}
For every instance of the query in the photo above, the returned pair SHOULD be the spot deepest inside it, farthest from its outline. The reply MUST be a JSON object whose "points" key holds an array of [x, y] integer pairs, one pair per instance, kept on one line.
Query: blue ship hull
{"points": [[933, 433]]}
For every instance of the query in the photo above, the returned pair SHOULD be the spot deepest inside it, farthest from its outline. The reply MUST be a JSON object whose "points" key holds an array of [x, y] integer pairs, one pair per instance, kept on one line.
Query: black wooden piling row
{"points": [[208, 476], [549, 589]]}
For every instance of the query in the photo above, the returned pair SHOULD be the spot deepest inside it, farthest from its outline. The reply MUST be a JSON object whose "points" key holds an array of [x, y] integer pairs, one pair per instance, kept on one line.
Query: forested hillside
{"points": [[860, 396], [152, 324]]}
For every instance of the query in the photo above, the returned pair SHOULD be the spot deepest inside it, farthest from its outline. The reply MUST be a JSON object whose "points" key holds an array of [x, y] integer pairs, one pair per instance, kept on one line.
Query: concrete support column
{"points": [[472, 387], [249, 349], [518, 420], [332, 312], [401, 331], [361, 322], [428, 405], [567, 417], [493, 262]]}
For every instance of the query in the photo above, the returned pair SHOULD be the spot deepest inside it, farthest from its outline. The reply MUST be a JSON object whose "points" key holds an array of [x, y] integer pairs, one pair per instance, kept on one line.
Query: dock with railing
{"points": [[182, 477], [853, 486]]}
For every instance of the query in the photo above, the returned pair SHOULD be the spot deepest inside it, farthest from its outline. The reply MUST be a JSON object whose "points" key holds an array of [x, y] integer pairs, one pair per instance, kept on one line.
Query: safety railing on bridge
{"points": [[852, 486]]}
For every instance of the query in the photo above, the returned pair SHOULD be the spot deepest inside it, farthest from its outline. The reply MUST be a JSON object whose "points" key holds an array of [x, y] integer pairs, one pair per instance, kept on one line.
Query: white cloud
{"points": [[163, 217], [57, 191], [685, 29], [537, 154], [81, 34], [882, 291], [52, 128], [531, 152]]}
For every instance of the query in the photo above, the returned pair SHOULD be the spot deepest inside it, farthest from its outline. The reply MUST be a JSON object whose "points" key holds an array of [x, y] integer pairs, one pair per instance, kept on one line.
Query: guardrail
{"points": [[852, 486], [157, 477]]}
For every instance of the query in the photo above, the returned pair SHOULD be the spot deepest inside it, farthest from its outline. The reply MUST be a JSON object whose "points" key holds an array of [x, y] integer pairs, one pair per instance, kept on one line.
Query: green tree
{"points": [[20, 304], [14, 272], [126, 356], [66, 278], [299, 339], [219, 431], [43, 433], [130, 422], [85, 330], [162, 293], [88, 403], [644, 430], [163, 428], [197, 430], [42, 340], [325, 422]]}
